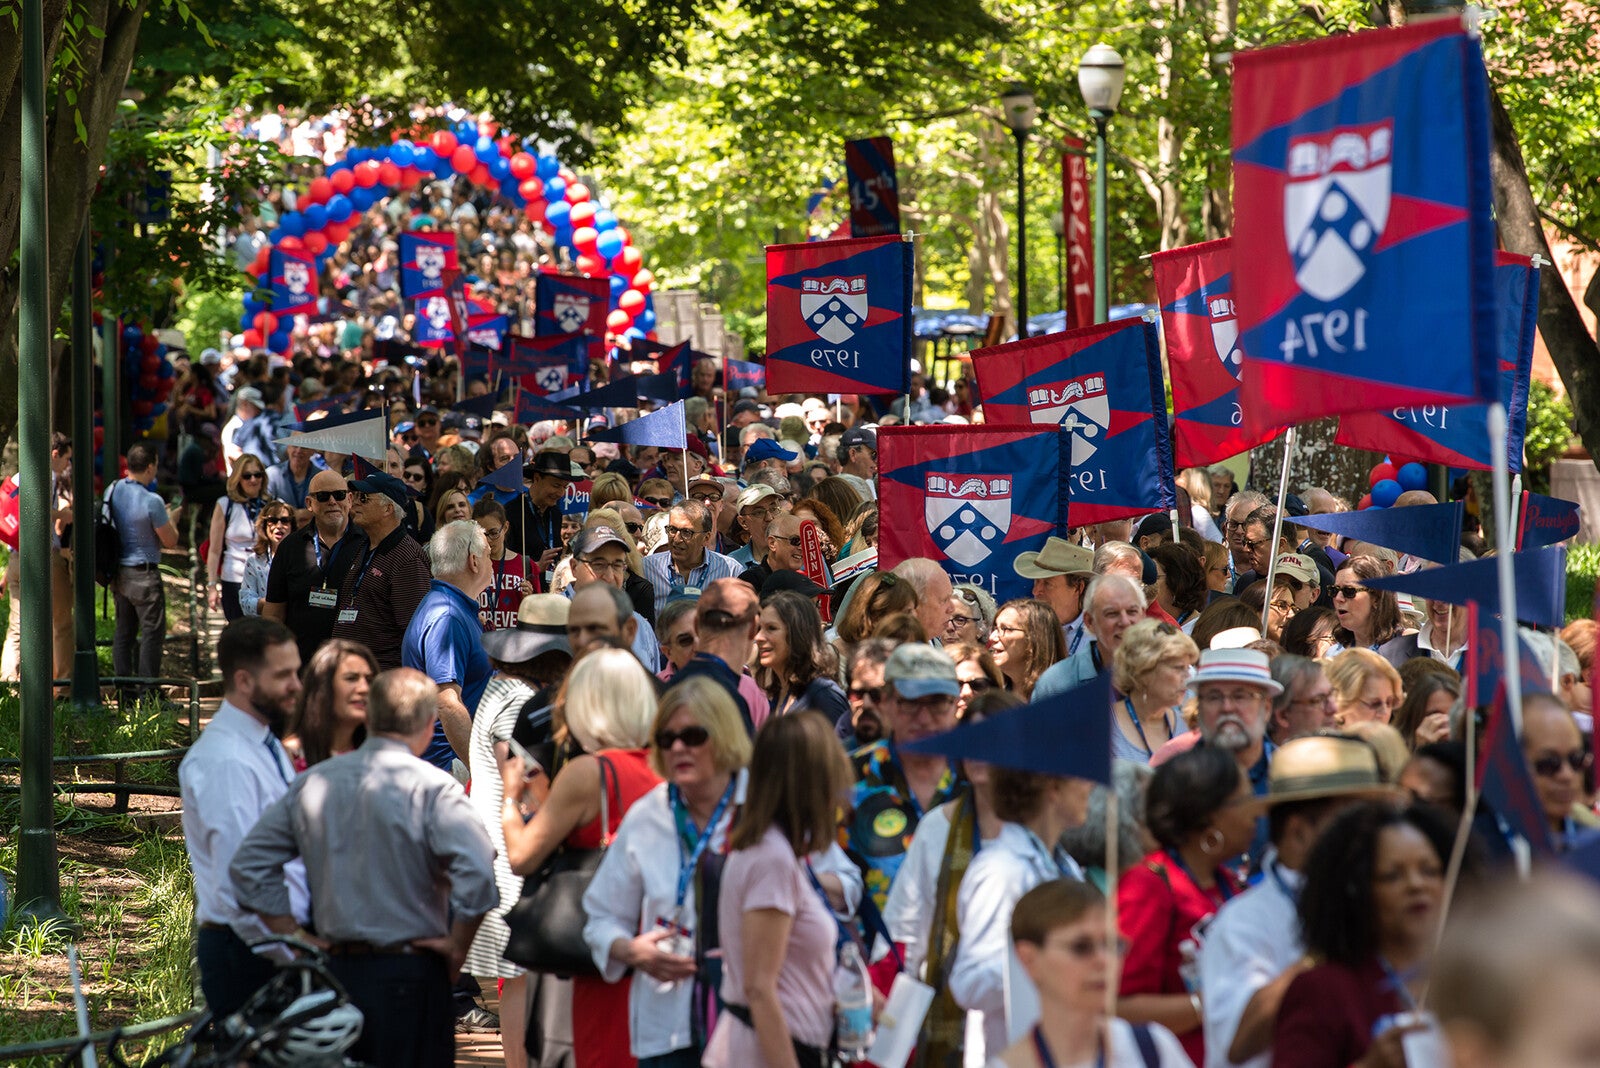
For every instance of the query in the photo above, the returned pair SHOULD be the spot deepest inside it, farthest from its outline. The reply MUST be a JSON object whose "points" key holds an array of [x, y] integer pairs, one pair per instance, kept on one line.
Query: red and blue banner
{"points": [[1504, 780], [571, 304], [542, 356], [1102, 386], [1545, 521], [972, 498], [1078, 300], [1364, 250], [839, 316], [426, 259], [294, 283], [743, 374], [874, 190], [1194, 286], [435, 326], [1458, 435]]}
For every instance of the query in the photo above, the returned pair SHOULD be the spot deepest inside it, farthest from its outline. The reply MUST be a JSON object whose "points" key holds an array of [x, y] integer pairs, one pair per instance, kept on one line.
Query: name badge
{"points": [[691, 591], [347, 616], [323, 598]]}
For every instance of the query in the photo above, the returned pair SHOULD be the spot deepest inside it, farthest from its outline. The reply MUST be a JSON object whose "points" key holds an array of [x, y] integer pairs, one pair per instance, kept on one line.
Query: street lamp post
{"points": [[1018, 110], [1100, 77], [1058, 226]]}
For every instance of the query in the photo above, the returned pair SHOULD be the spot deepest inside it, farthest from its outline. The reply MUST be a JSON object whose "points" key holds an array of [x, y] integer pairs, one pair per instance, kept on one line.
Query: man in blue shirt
{"points": [[445, 637], [144, 527]]}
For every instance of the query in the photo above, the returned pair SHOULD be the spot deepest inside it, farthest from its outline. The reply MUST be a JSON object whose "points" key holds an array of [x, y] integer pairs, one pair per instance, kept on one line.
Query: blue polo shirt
{"points": [[444, 641]]}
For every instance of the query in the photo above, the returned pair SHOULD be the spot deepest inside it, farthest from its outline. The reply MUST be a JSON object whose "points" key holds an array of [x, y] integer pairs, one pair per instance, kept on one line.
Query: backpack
{"points": [[107, 542]]}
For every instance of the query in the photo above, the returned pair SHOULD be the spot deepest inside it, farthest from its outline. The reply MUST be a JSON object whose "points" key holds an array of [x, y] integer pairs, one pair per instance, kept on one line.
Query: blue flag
{"points": [[532, 409], [425, 257], [839, 316], [482, 407], [666, 429], [1505, 782], [625, 392], [1067, 735], [1429, 531], [1541, 577], [507, 478], [1545, 521], [744, 374]]}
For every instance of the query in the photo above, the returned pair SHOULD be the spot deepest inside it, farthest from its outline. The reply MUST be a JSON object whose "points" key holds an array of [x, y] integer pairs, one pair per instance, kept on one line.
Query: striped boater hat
{"points": [[1236, 665]]}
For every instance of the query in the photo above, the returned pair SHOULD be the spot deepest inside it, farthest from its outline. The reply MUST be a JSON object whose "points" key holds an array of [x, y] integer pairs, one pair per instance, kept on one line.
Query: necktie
{"points": [[276, 752]]}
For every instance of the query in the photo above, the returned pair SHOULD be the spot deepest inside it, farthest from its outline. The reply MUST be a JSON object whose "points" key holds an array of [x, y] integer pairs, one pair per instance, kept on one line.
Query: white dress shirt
{"points": [[637, 883], [985, 966], [1249, 943], [227, 779]]}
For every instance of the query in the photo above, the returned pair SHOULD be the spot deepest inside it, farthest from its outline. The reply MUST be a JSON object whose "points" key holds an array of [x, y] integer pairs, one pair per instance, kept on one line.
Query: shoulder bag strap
{"points": [[605, 814], [1147, 1046]]}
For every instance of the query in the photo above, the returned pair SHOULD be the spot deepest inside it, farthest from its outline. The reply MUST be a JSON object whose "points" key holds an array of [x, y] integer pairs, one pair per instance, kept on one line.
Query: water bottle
{"points": [[852, 995], [1189, 965]]}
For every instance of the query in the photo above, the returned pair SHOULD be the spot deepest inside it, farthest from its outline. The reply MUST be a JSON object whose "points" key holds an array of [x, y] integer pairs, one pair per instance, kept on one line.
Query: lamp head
{"points": [[1017, 107], [1100, 77]]}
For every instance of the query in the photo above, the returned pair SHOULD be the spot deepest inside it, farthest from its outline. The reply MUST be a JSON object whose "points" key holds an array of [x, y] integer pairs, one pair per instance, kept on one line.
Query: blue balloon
{"points": [[278, 341], [1386, 492], [343, 165], [466, 131], [555, 188], [275, 235], [362, 198], [158, 408], [167, 370], [424, 158], [132, 335], [563, 236], [645, 320], [143, 423], [292, 222], [1413, 476], [403, 154], [558, 213], [486, 150], [548, 167], [444, 168], [633, 333], [619, 285], [316, 217], [252, 305], [247, 321], [499, 168], [609, 244], [604, 220], [339, 207]]}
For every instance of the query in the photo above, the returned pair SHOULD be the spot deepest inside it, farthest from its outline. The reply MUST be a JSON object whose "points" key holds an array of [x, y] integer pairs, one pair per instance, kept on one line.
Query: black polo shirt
{"points": [[542, 529], [382, 587], [304, 565]]}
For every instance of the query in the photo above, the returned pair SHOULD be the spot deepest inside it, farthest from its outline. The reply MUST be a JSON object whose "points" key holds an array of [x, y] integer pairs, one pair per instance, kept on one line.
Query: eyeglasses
{"points": [[959, 620], [1322, 700], [279, 521], [706, 498], [252, 476], [494, 533], [603, 567], [659, 502], [1284, 606], [866, 693], [427, 422], [1347, 592], [1380, 704], [1548, 767], [415, 476], [794, 541], [363, 498], [1252, 544], [409, 437], [691, 737], [685, 532], [976, 685], [634, 528], [1234, 697], [324, 496]]}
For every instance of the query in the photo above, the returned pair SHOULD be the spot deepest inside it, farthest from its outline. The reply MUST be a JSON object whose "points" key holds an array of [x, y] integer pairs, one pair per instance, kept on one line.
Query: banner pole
{"points": [[1277, 528], [1517, 505], [1176, 538], [1458, 849], [1504, 564]]}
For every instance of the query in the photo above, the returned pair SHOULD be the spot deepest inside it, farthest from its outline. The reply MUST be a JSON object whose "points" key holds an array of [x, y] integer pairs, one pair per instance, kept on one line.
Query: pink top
{"points": [[769, 876]]}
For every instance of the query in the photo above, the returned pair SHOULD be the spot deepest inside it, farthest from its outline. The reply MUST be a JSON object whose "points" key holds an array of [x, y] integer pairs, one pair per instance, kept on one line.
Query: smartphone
{"points": [[530, 767]]}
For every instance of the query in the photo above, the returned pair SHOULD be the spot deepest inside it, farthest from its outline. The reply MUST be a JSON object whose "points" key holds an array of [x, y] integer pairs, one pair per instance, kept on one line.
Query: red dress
{"points": [[599, 1008], [1158, 907]]}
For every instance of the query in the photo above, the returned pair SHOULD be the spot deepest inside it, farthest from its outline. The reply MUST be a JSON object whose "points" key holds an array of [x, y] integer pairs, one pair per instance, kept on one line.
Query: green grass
{"points": [[1583, 568], [140, 727]]}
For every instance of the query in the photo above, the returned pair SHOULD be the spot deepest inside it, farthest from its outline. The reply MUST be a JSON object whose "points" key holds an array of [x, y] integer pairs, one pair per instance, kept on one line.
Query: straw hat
{"points": [[1325, 765]]}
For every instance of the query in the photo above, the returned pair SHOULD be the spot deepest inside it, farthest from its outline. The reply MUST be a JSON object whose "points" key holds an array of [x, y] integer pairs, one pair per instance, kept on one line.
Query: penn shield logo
{"points": [[551, 378], [431, 261], [296, 277], [967, 515], [1080, 406], [437, 311], [1336, 204], [1225, 333], [571, 311], [834, 307]]}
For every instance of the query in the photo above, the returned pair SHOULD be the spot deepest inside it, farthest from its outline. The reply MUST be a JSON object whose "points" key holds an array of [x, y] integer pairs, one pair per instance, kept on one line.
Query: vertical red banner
{"points": [[1079, 298]]}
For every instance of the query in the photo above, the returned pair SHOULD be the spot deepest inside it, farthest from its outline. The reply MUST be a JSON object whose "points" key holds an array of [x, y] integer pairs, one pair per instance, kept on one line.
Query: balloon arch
{"points": [[539, 186]]}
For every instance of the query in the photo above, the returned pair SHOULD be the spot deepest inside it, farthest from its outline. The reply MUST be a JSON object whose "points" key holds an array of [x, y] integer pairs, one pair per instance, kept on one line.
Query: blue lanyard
{"points": [[1046, 1060], [1077, 638], [1223, 889], [1049, 855], [816, 884], [362, 573], [680, 811], [1282, 884], [1171, 726], [316, 547], [1396, 982]]}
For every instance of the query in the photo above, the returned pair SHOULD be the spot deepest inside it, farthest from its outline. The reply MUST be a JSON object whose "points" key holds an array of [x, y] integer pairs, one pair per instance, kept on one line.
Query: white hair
{"points": [[610, 701], [453, 546], [1100, 582]]}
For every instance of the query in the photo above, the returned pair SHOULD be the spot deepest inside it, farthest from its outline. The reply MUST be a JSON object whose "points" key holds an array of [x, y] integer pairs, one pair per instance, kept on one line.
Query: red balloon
{"points": [[522, 166], [582, 214], [291, 243], [535, 210], [1364, 503], [627, 238], [389, 173], [584, 238], [343, 181], [643, 281], [651, 335], [250, 339], [142, 407], [577, 193], [265, 322], [463, 159], [99, 436], [1381, 472], [444, 143], [150, 344], [631, 301], [592, 265], [150, 365], [566, 174], [618, 321], [410, 176], [337, 231], [629, 260], [319, 190], [367, 173], [316, 243], [148, 383], [531, 189], [480, 174]]}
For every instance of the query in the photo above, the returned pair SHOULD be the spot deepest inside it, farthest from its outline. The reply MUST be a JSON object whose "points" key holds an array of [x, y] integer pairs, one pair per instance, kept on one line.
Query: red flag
{"points": [[813, 566], [1079, 298], [839, 316]]}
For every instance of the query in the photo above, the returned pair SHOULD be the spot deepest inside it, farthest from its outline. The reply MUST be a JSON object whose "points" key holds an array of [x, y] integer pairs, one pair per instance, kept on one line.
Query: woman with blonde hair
{"points": [[1152, 667], [1196, 482], [1218, 575], [275, 523], [233, 533], [609, 488], [609, 707], [1026, 640], [1366, 688]]}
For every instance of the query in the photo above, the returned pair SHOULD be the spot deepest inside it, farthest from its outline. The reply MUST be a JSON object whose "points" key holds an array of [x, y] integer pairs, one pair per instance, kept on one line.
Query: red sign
{"points": [[812, 565], [1079, 298]]}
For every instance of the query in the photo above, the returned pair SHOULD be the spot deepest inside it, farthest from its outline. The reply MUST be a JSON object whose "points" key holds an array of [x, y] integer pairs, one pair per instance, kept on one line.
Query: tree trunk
{"points": [[1316, 461], [1573, 351]]}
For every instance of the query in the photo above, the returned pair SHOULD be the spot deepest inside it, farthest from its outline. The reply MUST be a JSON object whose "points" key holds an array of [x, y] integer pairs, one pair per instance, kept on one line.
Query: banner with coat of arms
{"points": [[567, 304], [1194, 287], [839, 316], [426, 256], [1102, 386], [557, 361], [972, 498], [294, 282], [1364, 257], [435, 326]]}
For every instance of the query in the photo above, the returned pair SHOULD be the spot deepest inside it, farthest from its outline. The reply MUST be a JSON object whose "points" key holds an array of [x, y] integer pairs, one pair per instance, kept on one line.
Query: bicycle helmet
{"points": [[325, 1026], [301, 1017]]}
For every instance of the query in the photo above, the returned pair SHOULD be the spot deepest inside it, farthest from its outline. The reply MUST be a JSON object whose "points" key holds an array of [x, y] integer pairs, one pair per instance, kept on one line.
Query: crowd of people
{"points": [[659, 683]]}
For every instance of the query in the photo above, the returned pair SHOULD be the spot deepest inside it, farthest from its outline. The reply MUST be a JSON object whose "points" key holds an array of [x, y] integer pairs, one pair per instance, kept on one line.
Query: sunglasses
{"points": [[252, 476], [324, 496], [682, 641], [977, 685], [279, 521], [659, 502], [409, 437], [1548, 767], [794, 541], [691, 737], [866, 693], [1347, 592], [427, 422], [706, 498], [635, 528], [415, 476]]}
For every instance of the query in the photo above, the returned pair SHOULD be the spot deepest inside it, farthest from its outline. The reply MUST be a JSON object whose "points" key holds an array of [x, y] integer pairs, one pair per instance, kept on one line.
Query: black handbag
{"points": [[547, 921]]}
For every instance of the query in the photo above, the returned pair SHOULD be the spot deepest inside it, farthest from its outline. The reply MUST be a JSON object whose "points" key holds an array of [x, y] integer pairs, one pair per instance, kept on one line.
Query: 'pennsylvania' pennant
{"points": [[743, 374], [1545, 521], [972, 498], [1102, 386], [1364, 261], [1458, 435], [425, 258], [435, 325], [1194, 286], [839, 316]]}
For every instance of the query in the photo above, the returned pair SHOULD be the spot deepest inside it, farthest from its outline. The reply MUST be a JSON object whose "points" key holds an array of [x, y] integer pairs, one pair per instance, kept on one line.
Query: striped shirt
{"points": [[665, 580]]}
